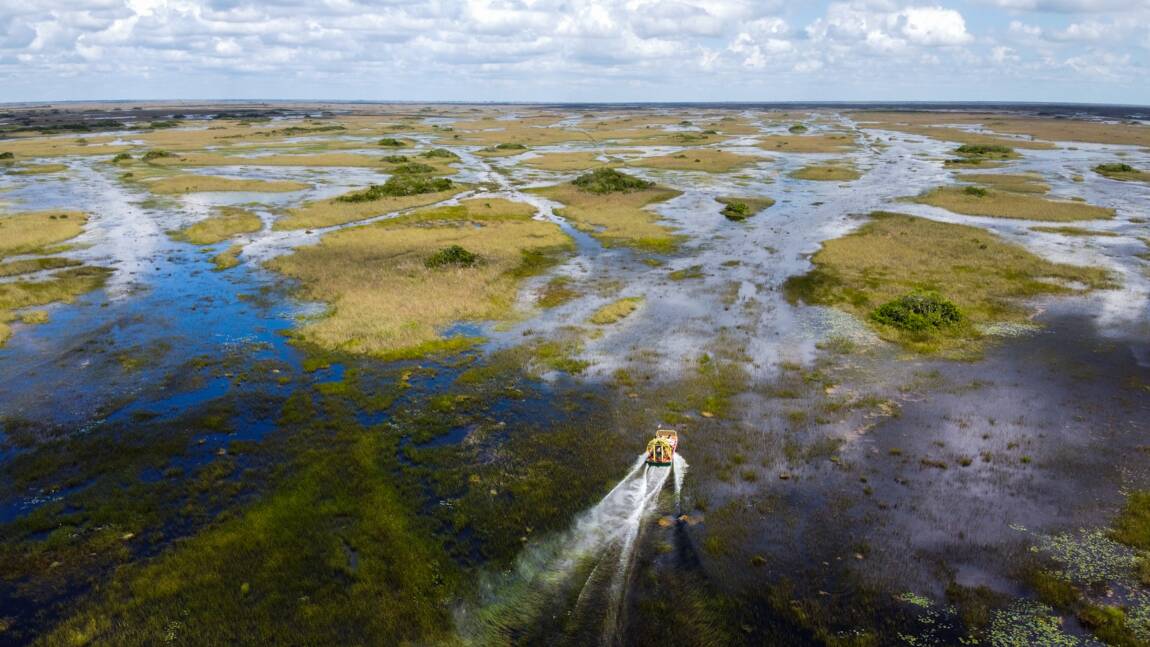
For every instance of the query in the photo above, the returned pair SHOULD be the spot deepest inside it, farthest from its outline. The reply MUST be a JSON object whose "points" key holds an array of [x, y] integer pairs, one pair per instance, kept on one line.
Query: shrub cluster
{"points": [[156, 154], [441, 153], [7, 155], [608, 180], [391, 142], [735, 210], [395, 159], [1115, 168], [981, 150], [976, 191], [400, 184], [454, 255], [919, 311], [413, 167]]}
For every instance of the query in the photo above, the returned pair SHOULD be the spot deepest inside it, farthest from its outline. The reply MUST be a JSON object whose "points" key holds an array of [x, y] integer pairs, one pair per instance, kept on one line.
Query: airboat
{"points": [[661, 449]]}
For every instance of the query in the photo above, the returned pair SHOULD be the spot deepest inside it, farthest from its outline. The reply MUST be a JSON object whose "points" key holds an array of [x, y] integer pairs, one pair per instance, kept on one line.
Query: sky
{"points": [[1090, 51]]}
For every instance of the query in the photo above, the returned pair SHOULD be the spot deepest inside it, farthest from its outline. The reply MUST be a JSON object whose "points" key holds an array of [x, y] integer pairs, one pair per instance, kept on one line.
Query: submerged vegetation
{"points": [[328, 496]]}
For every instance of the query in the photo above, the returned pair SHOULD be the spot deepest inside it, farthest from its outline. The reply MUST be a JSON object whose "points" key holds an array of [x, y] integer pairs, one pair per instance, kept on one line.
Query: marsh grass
{"points": [[205, 183], [1074, 231], [30, 265], [826, 173], [895, 254], [226, 223], [617, 218], [1007, 204], [63, 286], [556, 292], [615, 311], [337, 211], [569, 161], [1040, 128], [710, 160], [31, 232], [1014, 182], [38, 169], [228, 258], [822, 143], [384, 299], [738, 208]]}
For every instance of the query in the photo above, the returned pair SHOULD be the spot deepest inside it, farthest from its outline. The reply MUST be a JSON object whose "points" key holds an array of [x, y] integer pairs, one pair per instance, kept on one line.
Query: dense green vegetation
{"points": [[441, 153], [399, 185], [918, 311], [454, 255], [609, 180]]}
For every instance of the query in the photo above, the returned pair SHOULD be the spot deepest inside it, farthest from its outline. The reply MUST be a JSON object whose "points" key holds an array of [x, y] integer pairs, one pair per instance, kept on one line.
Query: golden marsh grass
{"points": [[385, 300], [822, 143], [826, 173], [894, 254], [710, 160], [1006, 204], [27, 233], [615, 311], [226, 223], [326, 213], [204, 183], [569, 162], [1014, 182], [617, 219]]}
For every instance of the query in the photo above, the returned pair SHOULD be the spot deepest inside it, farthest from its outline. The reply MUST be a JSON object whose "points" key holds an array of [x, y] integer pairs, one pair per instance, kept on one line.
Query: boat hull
{"points": [[654, 463]]}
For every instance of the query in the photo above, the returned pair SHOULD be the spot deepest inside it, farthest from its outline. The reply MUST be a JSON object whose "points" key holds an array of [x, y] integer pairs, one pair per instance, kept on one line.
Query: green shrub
{"points": [[7, 156], [982, 150], [395, 159], [798, 128], [1115, 168], [399, 185], [121, 157], [391, 142], [156, 154], [510, 147], [735, 210], [441, 153], [413, 167], [454, 255], [976, 191], [919, 311], [608, 180]]}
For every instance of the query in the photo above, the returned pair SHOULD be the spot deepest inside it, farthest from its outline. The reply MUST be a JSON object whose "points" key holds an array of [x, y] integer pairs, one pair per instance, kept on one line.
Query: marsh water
{"points": [[808, 532]]}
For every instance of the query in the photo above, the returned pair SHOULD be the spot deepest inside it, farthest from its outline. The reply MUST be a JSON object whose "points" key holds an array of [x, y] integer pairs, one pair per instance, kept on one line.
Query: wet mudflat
{"points": [[348, 430]]}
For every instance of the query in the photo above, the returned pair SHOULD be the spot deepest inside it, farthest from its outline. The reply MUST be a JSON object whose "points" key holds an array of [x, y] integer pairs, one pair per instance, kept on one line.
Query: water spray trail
{"points": [[653, 481], [680, 466], [516, 598]]}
